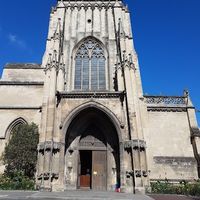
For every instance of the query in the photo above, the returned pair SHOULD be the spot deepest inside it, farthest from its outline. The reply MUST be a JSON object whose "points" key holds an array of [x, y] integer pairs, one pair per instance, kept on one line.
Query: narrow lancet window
{"points": [[90, 67]]}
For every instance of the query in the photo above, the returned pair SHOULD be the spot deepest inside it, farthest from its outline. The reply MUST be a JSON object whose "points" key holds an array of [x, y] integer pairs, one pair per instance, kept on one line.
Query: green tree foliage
{"points": [[21, 152]]}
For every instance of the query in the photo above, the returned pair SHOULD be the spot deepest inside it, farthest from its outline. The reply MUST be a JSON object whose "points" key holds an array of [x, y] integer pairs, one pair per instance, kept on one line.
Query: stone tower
{"points": [[97, 129], [93, 113]]}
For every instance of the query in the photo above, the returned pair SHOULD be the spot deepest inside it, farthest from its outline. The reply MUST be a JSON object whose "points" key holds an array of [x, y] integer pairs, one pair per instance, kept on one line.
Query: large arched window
{"points": [[90, 67]]}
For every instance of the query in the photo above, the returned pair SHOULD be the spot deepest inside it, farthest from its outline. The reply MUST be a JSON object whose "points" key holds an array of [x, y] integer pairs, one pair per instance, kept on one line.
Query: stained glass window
{"points": [[90, 67]]}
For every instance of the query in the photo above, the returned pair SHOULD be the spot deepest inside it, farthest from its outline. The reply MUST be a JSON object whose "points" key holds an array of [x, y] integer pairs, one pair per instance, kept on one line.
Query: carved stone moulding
{"points": [[78, 95], [138, 173], [49, 146], [166, 109], [88, 4], [135, 144], [167, 100], [129, 173], [47, 175], [195, 132], [166, 103], [174, 161]]}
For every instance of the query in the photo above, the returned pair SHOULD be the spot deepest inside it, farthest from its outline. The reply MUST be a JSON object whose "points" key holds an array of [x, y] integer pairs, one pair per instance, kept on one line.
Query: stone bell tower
{"points": [[93, 108]]}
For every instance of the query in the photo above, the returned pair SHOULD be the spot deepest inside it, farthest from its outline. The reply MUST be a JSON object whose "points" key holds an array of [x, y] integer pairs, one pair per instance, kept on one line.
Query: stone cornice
{"points": [[173, 160], [166, 109], [22, 83], [21, 108], [89, 4], [23, 66], [100, 95], [89, 95], [88, 0]]}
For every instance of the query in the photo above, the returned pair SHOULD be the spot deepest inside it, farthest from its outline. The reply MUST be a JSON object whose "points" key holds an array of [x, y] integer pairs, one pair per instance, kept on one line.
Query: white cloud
{"points": [[14, 39]]}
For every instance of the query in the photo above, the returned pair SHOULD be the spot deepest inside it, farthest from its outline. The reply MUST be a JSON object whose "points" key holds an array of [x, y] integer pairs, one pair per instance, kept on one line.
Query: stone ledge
{"points": [[17, 83], [23, 66], [153, 180], [78, 95], [173, 160], [166, 109], [21, 108]]}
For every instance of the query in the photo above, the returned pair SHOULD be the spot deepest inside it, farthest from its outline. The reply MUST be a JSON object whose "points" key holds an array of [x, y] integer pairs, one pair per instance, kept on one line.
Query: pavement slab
{"points": [[86, 195], [172, 197], [70, 195]]}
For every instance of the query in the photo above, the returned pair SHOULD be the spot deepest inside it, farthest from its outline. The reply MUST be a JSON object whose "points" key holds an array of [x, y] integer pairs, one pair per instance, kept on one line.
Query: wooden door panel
{"points": [[85, 181], [85, 168], [99, 171]]}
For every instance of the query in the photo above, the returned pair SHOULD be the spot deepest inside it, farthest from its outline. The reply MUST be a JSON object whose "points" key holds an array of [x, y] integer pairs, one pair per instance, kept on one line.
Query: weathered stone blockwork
{"points": [[97, 129]]}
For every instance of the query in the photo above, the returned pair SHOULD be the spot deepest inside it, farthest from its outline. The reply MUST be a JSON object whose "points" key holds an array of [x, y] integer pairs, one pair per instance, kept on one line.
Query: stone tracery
{"points": [[90, 67]]}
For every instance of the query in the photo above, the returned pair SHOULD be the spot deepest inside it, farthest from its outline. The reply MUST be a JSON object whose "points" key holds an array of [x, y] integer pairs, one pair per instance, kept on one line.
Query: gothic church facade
{"points": [[97, 128]]}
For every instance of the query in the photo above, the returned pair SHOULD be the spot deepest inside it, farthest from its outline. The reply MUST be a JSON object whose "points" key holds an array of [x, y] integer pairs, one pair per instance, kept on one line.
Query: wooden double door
{"points": [[93, 170]]}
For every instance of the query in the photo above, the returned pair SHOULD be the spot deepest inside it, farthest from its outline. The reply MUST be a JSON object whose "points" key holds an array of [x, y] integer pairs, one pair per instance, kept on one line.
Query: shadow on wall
{"points": [[1, 71], [198, 117]]}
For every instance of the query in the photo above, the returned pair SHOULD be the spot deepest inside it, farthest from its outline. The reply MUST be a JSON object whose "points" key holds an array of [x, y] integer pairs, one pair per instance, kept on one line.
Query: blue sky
{"points": [[166, 36]]}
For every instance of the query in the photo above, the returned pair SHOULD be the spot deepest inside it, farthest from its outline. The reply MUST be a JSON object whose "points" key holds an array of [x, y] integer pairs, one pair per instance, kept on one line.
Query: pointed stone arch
{"points": [[13, 125], [91, 104], [102, 63], [78, 44], [92, 120]]}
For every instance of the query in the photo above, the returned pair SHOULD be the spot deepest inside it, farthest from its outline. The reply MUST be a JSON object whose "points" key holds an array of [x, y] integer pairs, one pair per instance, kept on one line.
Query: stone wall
{"points": [[169, 150], [21, 91]]}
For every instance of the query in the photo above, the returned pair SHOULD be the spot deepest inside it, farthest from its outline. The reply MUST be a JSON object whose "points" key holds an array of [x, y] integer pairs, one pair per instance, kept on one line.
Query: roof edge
{"points": [[23, 66]]}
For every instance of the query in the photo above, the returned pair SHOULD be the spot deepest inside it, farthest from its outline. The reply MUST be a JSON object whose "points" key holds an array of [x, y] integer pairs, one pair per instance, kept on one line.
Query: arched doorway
{"points": [[92, 158]]}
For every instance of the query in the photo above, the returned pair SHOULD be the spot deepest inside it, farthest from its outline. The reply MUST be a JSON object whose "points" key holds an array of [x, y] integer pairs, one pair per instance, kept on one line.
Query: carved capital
{"points": [[129, 173], [138, 173], [195, 132], [135, 144], [52, 62], [47, 175], [49, 146]]}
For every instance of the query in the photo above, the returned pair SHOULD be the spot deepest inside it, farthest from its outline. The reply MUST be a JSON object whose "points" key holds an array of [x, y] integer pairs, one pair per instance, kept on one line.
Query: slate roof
{"points": [[23, 66]]}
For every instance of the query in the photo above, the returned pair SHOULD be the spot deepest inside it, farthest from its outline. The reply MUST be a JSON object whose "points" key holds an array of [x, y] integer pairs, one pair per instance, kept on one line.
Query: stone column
{"points": [[58, 150], [48, 129]]}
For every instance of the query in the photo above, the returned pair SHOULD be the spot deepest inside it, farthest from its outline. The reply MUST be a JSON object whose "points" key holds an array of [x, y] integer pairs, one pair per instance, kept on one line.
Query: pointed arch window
{"points": [[13, 126], [90, 67]]}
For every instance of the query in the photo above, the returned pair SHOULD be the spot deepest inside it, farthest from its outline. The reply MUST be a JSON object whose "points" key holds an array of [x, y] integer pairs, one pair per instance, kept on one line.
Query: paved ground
{"points": [[70, 195], [173, 197], [85, 195]]}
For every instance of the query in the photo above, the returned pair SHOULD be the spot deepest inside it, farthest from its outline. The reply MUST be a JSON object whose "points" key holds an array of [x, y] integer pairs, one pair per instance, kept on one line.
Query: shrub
{"points": [[21, 152], [183, 188], [20, 158], [18, 182]]}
